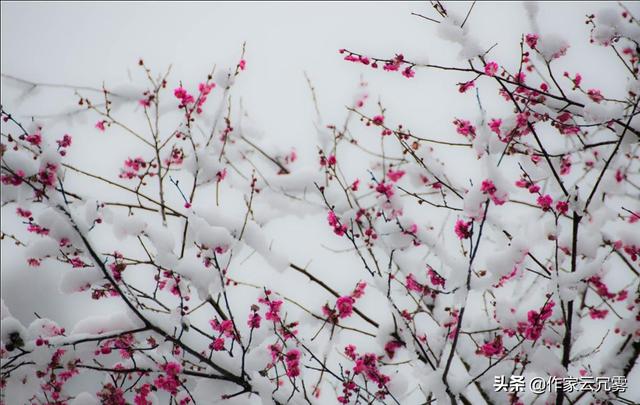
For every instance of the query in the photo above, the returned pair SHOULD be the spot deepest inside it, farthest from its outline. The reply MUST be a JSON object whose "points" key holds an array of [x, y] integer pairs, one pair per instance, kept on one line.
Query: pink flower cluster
{"points": [[385, 189], [464, 128], [34, 139], [435, 278], [185, 98], [544, 202], [13, 179], [254, 319], [64, 143], [492, 349], [334, 222], [532, 329], [132, 167], [292, 361], [47, 174], [393, 65], [225, 330], [344, 304], [487, 187], [395, 175], [367, 365], [463, 229], [491, 68], [273, 307], [101, 125], [463, 87], [169, 381]]}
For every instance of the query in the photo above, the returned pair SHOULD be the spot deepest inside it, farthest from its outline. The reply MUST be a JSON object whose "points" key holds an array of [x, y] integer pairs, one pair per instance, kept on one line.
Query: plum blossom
{"points": [[491, 68]]}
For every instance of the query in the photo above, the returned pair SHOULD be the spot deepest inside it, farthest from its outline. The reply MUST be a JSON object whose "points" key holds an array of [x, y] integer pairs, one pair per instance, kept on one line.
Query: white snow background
{"points": [[88, 44]]}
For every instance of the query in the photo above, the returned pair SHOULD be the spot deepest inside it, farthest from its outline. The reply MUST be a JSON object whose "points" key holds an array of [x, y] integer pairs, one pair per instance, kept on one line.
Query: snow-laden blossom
{"points": [[595, 95], [493, 348], [487, 187]]}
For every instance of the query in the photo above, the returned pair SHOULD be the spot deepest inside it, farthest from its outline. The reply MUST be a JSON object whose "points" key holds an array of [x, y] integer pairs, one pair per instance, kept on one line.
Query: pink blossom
{"points": [[358, 292], [463, 87], [141, 395], [47, 175], [76, 262], [37, 229], [520, 77], [488, 187], [254, 320], [435, 278], [378, 120], [464, 127], [595, 95], [292, 360], [391, 346], [532, 329], [413, 285], [34, 139], [462, 229], [545, 201], [217, 344], [395, 175], [532, 40], [344, 305], [355, 185], [408, 72], [598, 313], [242, 64], [622, 295], [491, 68], [562, 207], [601, 287], [273, 312], [394, 65], [338, 228], [184, 97], [385, 189], [65, 142], [493, 348], [494, 125], [565, 165], [13, 179], [23, 213], [100, 125], [220, 175]]}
